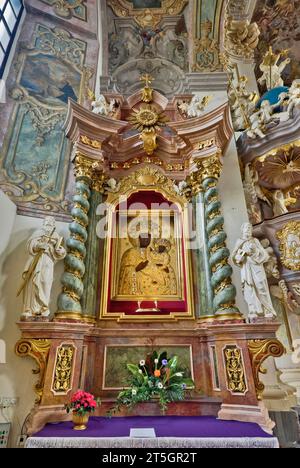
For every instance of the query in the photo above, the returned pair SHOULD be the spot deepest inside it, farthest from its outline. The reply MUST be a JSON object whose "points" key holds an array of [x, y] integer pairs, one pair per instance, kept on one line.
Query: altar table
{"points": [[171, 432]]}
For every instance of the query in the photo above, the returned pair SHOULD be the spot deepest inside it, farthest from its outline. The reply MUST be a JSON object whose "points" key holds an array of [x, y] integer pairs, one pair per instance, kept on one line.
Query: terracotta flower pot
{"points": [[80, 421]]}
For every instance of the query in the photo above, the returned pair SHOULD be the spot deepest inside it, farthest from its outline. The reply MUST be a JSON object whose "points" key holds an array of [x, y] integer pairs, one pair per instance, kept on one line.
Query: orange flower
{"points": [[157, 373]]}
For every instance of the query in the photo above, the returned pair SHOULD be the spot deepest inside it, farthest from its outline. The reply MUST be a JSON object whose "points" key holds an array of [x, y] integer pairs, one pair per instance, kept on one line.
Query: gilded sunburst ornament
{"points": [[147, 116], [280, 169]]}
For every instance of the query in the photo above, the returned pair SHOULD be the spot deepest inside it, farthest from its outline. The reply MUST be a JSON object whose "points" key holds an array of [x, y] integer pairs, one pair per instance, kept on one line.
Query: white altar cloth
{"points": [[159, 442]]}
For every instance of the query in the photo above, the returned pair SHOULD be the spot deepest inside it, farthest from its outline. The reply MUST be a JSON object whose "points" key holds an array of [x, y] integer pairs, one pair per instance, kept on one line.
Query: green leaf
{"points": [[172, 364]]}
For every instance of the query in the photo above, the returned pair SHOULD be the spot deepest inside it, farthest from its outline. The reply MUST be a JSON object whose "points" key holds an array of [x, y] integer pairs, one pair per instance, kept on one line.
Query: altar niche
{"points": [[146, 269]]}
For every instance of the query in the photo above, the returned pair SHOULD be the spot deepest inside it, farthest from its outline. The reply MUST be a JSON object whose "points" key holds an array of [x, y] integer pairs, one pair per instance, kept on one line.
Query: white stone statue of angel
{"points": [[256, 127], [45, 248], [293, 97], [100, 105], [251, 183], [272, 71], [271, 266], [250, 256], [112, 185], [282, 292], [279, 203], [198, 105], [182, 188]]}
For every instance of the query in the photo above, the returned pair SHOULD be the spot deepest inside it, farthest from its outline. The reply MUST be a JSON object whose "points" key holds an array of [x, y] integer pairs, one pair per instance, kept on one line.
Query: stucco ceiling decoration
{"points": [[149, 16], [280, 168]]}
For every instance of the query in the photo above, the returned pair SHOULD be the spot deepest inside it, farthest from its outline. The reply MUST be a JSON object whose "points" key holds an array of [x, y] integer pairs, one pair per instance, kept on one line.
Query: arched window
{"points": [[10, 15]]}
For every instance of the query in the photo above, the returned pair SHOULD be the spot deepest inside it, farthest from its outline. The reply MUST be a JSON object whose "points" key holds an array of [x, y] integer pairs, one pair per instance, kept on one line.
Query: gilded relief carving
{"points": [[62, 381], [289, 237], [235, 371]]}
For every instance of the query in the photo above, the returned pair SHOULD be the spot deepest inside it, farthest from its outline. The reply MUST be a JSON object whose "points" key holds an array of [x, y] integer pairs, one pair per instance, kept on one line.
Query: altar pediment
{"points": [[119, 147]]}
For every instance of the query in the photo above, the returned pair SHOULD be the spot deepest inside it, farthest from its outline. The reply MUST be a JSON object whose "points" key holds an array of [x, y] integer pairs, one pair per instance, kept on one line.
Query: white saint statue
{"points": [[45, 248], [250, 256]]}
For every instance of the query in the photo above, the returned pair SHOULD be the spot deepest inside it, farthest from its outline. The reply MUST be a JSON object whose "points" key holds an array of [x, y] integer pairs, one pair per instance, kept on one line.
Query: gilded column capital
{"points": [[84, 167], [211, 167], [38, 349], [259, 351]]}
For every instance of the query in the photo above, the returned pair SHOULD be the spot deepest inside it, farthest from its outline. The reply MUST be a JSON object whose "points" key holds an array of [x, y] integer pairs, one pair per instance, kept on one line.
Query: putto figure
{"points": [[45, 248], [251, 256], [272, 71]]}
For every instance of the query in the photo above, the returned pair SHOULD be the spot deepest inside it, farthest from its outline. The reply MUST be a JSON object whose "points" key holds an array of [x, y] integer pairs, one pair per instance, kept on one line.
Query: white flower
{"points": [[155, 361], [160, 385], [179, 374], [142, 362], [134, 392]]}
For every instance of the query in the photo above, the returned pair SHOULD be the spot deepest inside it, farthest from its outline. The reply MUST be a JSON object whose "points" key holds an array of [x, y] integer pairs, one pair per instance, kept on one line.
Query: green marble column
{"points": [[93, 260], [203, 292], [224, 291], [69, 301]]}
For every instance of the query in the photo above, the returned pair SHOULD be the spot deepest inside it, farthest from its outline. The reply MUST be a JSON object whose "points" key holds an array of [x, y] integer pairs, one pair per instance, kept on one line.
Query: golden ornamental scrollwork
{"points": [[235, 371], [289, 237], [38, 349], [259, 351], [147, 17], [62, 379], [146, 178], [89, 142]]}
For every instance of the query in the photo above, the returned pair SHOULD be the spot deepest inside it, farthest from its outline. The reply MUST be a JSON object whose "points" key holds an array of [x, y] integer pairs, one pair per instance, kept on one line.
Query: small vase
{"points": [[80, 421]]}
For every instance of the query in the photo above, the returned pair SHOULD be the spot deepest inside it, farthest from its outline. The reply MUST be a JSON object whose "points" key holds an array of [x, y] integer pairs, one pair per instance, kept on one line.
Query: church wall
{"points": [[62, 53], [16, 378]]}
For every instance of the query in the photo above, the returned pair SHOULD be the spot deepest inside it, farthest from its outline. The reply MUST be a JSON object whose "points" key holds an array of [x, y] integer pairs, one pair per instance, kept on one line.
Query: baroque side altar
{"points": [[147, 264]]}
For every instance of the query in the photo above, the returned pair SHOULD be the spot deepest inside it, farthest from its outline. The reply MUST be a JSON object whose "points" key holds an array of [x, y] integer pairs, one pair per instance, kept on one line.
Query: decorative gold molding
{"points": [[91, 143], [155, 160], [284, 148], [38, 349], [289, 246], [259, 351], [62, 378], [235, 370], [146, 17]]}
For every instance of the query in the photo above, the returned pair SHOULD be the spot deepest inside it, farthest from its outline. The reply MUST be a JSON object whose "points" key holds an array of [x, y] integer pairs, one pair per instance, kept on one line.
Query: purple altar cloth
{"points": [[165, 426]]}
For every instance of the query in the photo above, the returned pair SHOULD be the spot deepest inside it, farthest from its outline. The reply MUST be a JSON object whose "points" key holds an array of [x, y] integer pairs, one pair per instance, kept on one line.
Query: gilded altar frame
{"points": [[150, 180]]}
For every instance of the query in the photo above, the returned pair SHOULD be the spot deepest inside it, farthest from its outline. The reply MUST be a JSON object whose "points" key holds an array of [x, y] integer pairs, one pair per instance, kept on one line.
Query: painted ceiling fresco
{"points": [[146, 3], [279, 23]]}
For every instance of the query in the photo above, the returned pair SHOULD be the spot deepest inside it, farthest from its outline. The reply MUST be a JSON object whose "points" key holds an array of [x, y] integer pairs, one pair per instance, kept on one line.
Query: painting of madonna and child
{"points": [[148, 261]]}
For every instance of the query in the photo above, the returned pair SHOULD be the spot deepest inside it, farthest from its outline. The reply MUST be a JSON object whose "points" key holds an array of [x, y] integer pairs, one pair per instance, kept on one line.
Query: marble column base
{"points": [[246, 413], [279, 397], [287, 428]]}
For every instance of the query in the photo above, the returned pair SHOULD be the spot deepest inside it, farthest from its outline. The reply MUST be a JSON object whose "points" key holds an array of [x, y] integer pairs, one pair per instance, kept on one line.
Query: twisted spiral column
{"points": [[69, 301], [221, 272]]}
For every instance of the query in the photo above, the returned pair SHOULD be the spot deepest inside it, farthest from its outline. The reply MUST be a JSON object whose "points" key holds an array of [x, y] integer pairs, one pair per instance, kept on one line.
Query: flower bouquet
{"points": [[157, 377], [81, 405]]}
